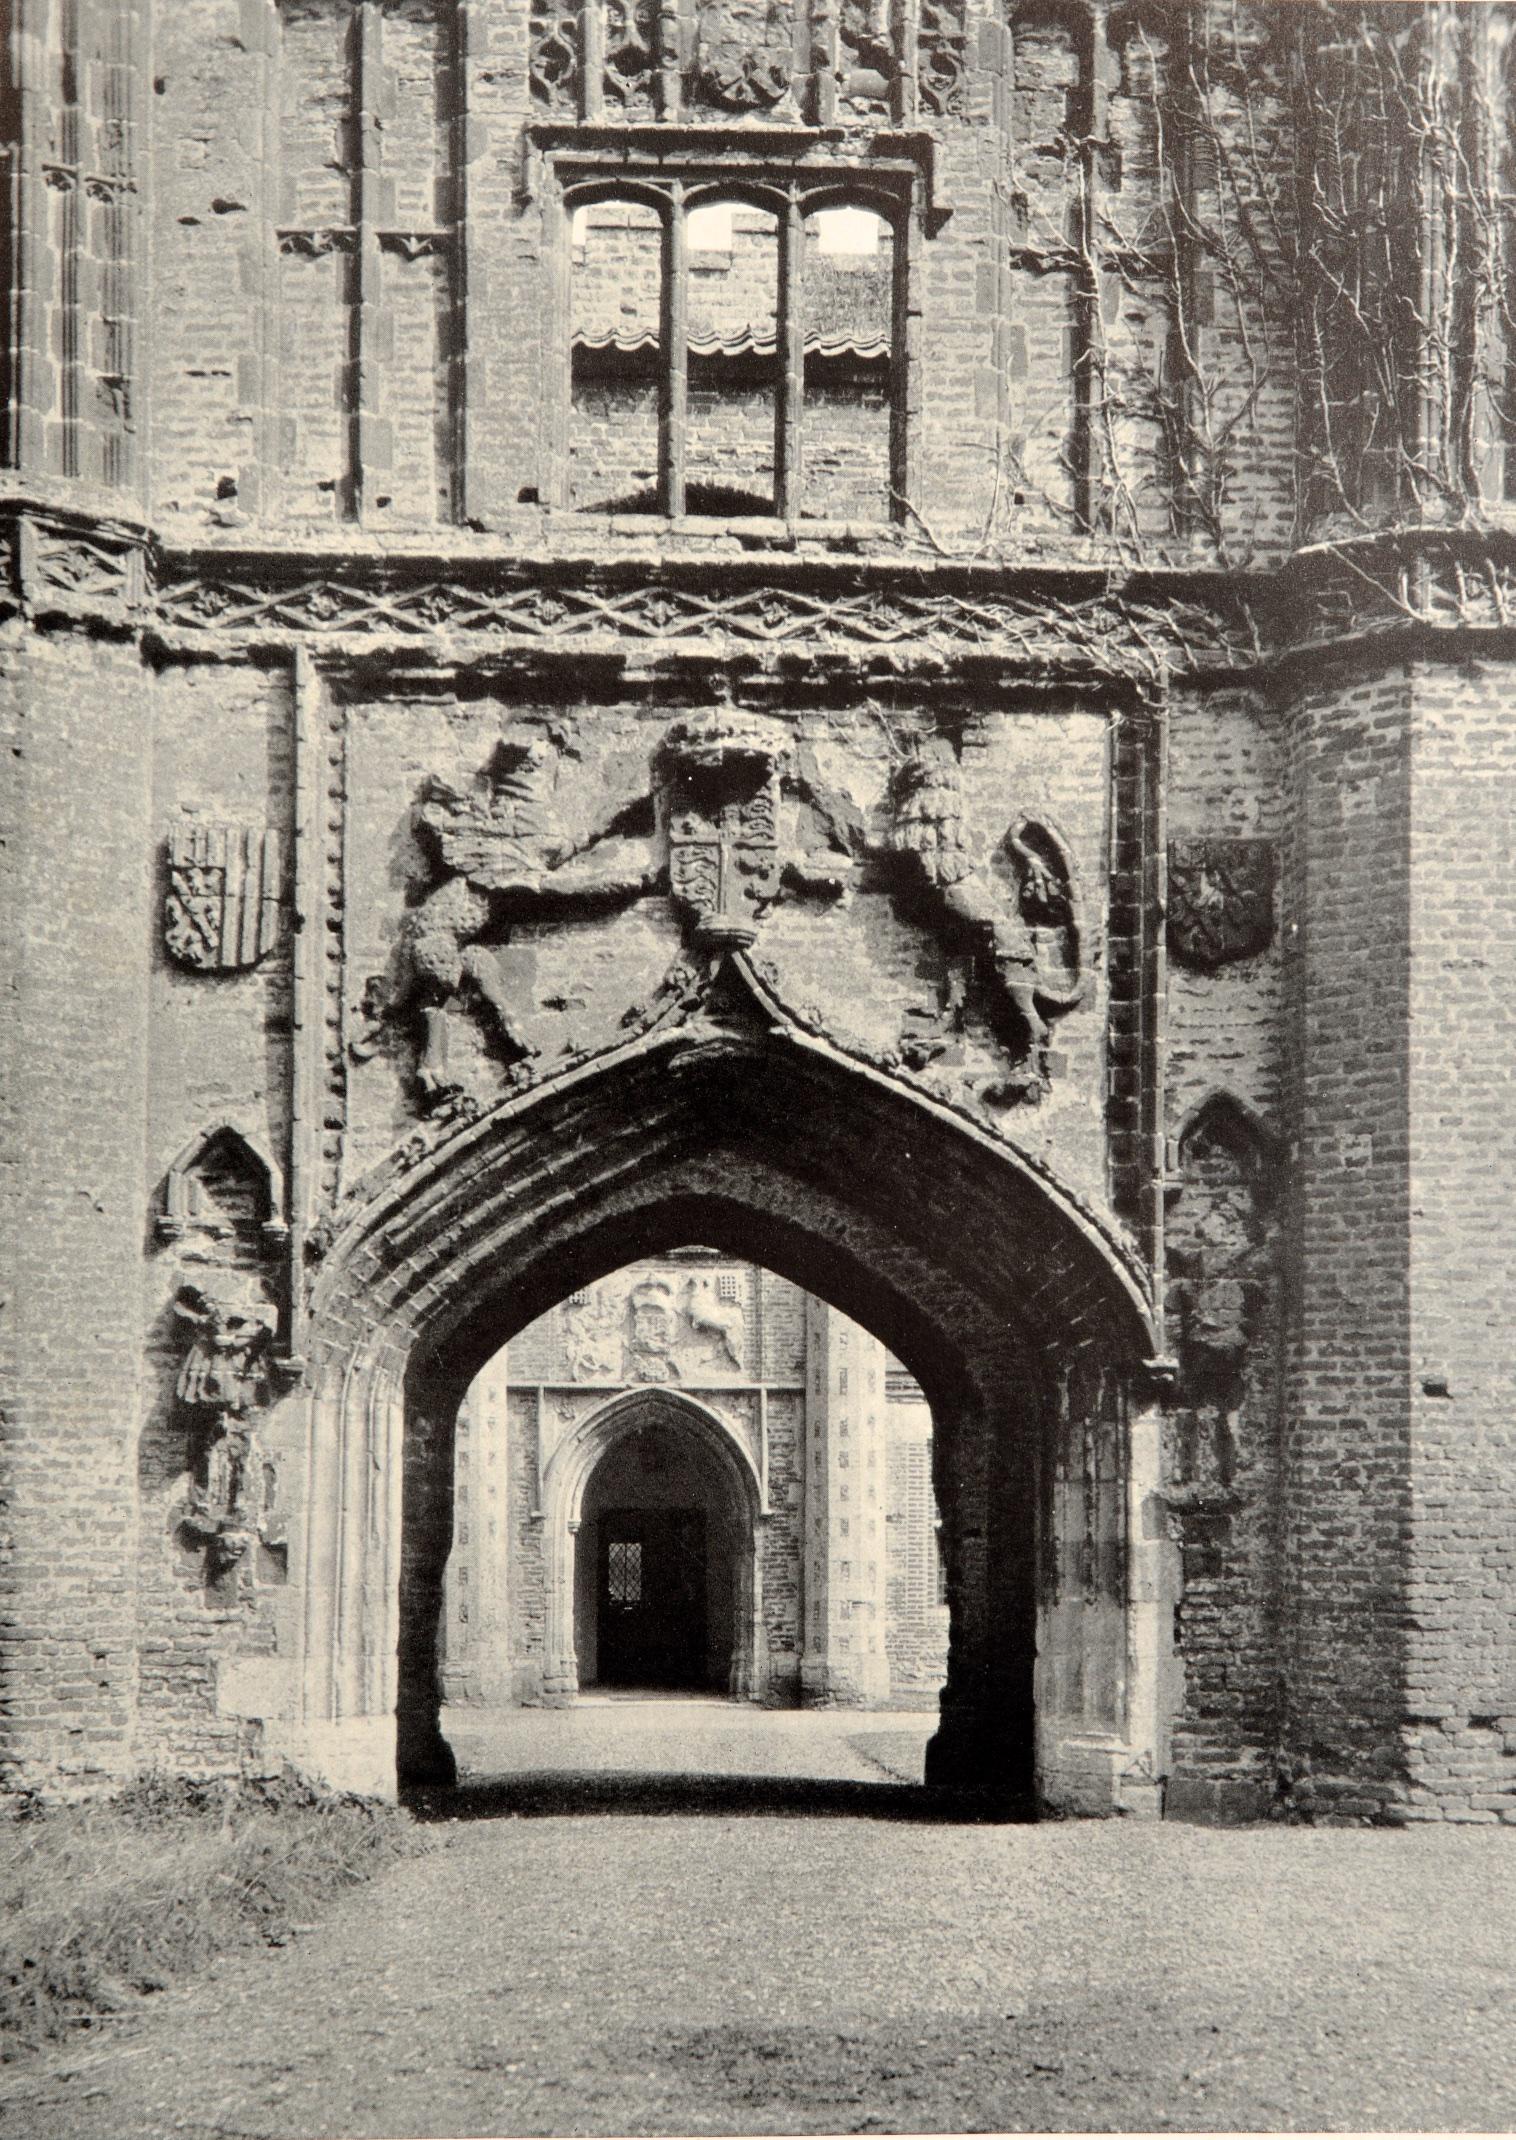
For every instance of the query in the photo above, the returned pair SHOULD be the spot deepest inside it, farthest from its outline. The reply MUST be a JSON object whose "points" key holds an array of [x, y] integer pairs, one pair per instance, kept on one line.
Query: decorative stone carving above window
{"points": [[817, 62], [942, 56], [630, 58], [556, 62], [744, 56]]}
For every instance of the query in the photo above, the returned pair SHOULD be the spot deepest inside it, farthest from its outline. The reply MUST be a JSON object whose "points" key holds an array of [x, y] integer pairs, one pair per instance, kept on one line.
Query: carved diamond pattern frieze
{"points": [[1099, 631]]}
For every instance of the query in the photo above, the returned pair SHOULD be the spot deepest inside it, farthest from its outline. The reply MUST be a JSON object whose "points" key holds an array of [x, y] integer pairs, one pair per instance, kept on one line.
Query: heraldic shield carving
{"points": [[722, 797], [221, 908], [744, 53], [1221, 900]]}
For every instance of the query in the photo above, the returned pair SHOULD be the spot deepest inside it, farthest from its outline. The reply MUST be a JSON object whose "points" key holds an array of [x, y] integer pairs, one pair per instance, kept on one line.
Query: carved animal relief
{"points": [[502, 855], [221, 906], [1015, 929], [710, 826]]}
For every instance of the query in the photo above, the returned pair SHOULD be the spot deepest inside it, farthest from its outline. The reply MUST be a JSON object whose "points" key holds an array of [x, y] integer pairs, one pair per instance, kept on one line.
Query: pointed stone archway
{"points": [[1022, 1317], [566, 1479]]}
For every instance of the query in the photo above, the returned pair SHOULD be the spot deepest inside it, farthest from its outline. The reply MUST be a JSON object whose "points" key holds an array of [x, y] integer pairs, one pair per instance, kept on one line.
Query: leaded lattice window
{"points": [[624, 1571]]}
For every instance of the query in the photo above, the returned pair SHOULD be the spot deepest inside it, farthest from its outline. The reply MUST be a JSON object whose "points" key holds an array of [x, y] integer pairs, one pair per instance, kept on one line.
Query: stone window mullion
{"points": [[592, 59], [369, 447], [789, 399], [906, 23], [674, 40], [674, 414]]}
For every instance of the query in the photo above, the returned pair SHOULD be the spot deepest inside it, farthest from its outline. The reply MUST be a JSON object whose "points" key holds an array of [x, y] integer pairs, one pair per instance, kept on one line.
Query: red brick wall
{"points": [[1460, 1665], [77, 935], [1345, 1508]]}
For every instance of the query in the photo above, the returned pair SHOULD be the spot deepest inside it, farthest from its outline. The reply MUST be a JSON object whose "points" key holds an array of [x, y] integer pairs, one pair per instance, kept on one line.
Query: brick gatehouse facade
{"points": [[871, 636]]}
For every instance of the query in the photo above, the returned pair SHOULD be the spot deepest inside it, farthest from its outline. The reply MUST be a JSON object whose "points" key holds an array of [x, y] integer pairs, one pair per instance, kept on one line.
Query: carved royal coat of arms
{"points": [[723, 825], [1221, 900]]}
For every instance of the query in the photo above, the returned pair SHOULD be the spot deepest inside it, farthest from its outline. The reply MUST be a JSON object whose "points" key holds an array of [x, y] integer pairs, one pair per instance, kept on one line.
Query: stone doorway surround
{"points": [[1023, 1318], [566, 1480]]}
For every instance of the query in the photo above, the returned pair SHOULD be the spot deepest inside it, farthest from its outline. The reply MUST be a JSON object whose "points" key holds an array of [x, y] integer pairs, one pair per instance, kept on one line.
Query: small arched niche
{"points": [[226, 1186]]}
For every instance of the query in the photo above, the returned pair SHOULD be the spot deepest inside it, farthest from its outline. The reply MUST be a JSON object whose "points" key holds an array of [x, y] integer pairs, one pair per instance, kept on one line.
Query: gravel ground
{"points": [[827, 1955]]}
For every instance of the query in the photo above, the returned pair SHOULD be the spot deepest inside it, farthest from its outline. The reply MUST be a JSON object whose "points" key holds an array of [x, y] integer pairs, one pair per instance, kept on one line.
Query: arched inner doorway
{"points": [[663, 1555]]}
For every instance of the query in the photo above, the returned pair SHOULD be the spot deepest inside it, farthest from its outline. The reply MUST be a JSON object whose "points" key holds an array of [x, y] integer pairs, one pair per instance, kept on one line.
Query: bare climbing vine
{"points": [[1281, 243]]}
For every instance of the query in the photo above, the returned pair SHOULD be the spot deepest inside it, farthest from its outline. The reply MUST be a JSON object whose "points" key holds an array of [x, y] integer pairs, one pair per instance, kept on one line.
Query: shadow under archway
{"points": [[546, 1794]]}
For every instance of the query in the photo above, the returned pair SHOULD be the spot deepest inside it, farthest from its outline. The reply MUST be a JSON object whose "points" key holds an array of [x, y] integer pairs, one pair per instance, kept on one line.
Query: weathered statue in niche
{"points": [[1013, 927], [1221, 1285], [224, 1382]]}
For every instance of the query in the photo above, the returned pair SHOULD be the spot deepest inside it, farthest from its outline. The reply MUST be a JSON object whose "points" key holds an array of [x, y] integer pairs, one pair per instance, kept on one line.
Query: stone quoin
{"points": [[732, 693]]}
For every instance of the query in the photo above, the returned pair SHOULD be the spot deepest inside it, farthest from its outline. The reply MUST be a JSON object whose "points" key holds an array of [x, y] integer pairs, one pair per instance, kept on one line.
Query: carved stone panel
{"points": [[744, 54], [665, 1327], [221, 907], [231, 1322], [1012, 928], [723, 823], [1221, 900]]}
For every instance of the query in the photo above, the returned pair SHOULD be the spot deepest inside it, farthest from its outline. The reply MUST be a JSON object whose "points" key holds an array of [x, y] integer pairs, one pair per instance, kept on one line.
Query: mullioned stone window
{"points": [[733, 346]]}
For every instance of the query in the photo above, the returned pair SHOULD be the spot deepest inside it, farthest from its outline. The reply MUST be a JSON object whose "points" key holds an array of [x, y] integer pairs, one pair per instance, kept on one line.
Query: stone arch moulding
{"points": [[977, 1269], [565, 1477]]}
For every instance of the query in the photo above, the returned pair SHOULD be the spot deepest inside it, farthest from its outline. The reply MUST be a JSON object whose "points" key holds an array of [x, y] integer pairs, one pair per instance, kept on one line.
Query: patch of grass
{"points": [[104, 1901]]}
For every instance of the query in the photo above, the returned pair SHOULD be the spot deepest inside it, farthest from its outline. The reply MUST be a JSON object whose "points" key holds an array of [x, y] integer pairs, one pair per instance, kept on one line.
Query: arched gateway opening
{"points": [[691, 1476], [1021, 1319]]}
